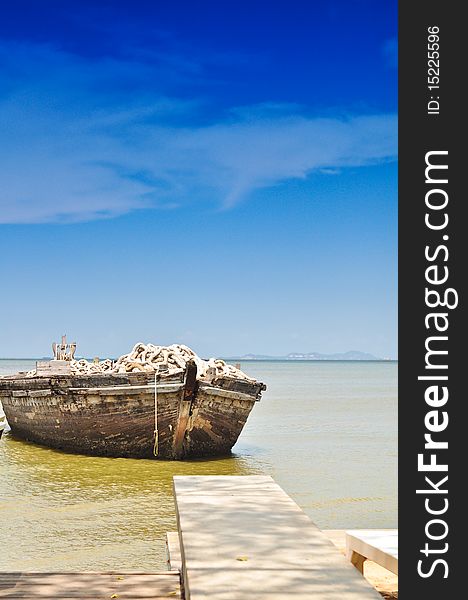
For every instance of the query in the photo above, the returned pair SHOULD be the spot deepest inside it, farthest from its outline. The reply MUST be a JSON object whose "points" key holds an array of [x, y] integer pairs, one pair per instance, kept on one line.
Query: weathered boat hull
{"points": [[117, 415]]}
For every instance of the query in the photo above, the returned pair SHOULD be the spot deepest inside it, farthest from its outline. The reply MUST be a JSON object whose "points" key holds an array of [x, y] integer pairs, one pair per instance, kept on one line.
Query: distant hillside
{"points": [[351, 355]]}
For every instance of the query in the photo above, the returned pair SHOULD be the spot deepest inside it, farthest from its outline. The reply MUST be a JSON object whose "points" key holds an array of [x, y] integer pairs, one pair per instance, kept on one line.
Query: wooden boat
{"points": [[129, 415]]}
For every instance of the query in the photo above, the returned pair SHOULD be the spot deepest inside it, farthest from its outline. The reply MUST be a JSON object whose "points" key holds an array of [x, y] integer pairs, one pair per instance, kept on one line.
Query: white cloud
{"points": [[86, 139]]}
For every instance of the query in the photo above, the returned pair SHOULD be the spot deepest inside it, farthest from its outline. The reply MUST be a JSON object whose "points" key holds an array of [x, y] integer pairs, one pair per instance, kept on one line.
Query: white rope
{"points": [[156, 432], [146, 358]]}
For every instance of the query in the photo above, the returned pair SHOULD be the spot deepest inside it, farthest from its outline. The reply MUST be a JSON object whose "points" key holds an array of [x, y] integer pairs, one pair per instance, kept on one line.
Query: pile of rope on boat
{"points": [[148, 358]]}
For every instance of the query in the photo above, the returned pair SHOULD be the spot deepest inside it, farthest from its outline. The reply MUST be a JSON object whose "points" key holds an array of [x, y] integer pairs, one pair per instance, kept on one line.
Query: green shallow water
{"points": [[327, 432]]}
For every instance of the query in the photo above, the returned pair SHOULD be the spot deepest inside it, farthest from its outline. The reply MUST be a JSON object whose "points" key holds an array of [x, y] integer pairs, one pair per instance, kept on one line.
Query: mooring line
{"points": [[156, 432]]}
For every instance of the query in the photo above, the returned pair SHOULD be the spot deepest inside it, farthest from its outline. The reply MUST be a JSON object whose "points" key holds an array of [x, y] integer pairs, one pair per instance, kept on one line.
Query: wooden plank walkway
{"points": [[95, 586], [244, 538]]}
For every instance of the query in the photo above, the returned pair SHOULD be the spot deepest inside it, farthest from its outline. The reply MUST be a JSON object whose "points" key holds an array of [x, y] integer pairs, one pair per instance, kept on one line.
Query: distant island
{"points": [[351, 355]]}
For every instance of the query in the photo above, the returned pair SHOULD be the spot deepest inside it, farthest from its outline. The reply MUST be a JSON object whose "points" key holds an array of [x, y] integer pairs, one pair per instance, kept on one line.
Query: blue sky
{"points": [[218, 174]]}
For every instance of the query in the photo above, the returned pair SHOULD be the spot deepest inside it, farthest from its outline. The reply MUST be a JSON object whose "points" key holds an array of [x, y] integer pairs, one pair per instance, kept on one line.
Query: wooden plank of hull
{"points": [[185, 409], [96, 423], [218, 417], [117, 419]]}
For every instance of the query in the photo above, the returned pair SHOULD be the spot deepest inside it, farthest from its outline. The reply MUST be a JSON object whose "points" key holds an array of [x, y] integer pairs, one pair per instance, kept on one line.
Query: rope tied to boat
{"points": [[156, 432]]}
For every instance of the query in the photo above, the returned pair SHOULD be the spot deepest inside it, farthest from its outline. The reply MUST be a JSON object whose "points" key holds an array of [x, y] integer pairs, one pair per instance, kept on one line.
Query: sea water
{"points": [[325, 431]]}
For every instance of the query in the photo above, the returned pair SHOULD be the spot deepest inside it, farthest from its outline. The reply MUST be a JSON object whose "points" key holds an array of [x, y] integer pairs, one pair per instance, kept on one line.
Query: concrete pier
{"points": [[244, 538]]}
